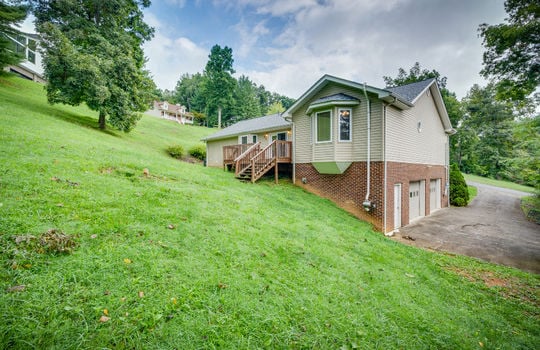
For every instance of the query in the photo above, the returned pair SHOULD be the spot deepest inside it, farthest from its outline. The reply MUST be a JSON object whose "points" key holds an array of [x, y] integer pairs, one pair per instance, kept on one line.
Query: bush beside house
{"points": [[459, 195], [198, 151]]}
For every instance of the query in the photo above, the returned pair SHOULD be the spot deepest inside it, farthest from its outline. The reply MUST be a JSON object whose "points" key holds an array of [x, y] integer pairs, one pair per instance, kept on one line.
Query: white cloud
{"points": [[170, 57], [179, 3], [249, 36], [364, 40]]}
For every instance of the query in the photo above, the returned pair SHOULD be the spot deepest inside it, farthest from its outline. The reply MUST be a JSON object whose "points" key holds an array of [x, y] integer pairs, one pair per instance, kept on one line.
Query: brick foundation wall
{"points": [[348, 190], [405, 173]]}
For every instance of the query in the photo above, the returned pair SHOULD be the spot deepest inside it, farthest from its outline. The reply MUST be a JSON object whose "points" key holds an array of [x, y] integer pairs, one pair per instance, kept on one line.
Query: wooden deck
{"points": [[230, 153], [250, 162]]}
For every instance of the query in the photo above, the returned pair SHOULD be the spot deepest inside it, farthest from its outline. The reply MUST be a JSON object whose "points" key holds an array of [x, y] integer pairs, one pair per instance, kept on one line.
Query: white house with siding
{"points": [[380, 153], [244, 134], [26, 45]]}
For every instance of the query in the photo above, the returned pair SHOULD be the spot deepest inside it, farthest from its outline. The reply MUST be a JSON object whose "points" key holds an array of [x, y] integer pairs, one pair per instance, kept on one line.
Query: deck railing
{"points": [[249, 160], [242, 162], [230, 153], [276, 152]]}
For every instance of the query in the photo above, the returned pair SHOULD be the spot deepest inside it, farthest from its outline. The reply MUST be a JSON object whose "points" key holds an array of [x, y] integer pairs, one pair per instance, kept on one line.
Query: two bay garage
{"points": [[418, 198]]}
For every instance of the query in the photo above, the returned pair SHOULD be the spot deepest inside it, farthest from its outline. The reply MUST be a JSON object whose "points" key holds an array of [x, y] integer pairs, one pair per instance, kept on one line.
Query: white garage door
{"points": [[434, 194], [416, 199]]}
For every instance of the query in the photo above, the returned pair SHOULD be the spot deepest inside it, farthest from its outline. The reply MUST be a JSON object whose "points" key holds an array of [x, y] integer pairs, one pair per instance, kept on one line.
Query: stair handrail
{"points": [[258, 167], [242, 162], [258, 144]]}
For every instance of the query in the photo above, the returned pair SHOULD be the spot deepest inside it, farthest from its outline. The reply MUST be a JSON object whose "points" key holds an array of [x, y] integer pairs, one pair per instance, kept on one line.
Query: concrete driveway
{"points": [[491, 228]]}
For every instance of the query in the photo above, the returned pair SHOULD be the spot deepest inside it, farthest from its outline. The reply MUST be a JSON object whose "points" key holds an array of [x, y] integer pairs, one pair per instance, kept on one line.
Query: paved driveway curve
{"points": [[491, 228]]}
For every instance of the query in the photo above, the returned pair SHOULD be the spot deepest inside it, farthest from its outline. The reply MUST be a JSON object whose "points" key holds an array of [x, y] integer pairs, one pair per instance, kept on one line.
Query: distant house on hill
{"points": [[26, 45], [380, 153], [171, 111]]}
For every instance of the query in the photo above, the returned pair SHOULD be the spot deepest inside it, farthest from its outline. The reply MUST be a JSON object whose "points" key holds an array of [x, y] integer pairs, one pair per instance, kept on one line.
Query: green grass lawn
{"points": [[473, 192], [498, 183], [189, 257]]}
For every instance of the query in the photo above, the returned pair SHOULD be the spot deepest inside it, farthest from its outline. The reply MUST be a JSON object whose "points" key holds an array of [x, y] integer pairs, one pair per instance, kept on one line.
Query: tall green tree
{"points": [[246, 103], [219, 84], [491, 122], [11, 15], [93, 54], [416, 73], [276, 107], [188, 92], [524, 165], [512, 50]]}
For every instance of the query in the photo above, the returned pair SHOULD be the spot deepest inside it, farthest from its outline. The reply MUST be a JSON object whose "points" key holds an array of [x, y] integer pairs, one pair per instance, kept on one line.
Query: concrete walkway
{"points": [[492, 228]]}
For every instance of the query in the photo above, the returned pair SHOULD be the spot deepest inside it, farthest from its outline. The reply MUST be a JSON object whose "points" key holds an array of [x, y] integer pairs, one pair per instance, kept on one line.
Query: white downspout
{"points": [[385, 168], [367, 204], [293, 152], [293, 146]]}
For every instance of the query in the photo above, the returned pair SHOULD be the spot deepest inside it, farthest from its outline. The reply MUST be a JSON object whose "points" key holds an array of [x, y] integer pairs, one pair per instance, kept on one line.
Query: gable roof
{"points": [[333, 100], [412, 91], [262, 124], [402, 97], [382, 94], [335, 97]]}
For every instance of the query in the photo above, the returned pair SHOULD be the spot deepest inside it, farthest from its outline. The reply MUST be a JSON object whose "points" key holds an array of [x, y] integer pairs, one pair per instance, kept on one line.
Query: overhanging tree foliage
{"points": [[93, 54], [10, 14], [416, 73], [512, 50]]}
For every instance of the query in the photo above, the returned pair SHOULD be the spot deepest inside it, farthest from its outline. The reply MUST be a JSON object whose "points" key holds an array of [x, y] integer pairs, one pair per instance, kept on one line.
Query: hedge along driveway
{"points": [[491, 228]]}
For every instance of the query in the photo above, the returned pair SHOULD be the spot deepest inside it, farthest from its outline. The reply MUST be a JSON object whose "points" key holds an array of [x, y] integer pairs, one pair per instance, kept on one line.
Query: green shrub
{"points": [[176, 151], [198, 151], [531, 207], [459, 194]]}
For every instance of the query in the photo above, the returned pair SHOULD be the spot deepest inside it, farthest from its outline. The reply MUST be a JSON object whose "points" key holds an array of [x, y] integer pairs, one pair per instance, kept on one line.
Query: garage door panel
{"points": [[414, 200]]}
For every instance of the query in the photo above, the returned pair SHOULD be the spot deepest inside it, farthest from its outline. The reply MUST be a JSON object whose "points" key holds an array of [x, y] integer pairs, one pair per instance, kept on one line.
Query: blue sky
{"points": [[287, 45]]}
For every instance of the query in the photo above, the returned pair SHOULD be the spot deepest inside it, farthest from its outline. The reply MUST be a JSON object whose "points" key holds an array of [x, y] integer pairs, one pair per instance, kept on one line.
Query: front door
{"points": [[397, 206], [434, 195]]}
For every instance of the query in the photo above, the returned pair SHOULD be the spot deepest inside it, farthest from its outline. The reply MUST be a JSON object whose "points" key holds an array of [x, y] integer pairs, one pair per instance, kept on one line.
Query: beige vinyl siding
{"points": [[405, 144], [360, 132], [214, 151], [356, 150]]}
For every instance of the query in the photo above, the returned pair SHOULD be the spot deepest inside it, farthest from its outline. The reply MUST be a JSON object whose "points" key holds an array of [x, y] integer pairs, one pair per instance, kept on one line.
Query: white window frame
{"points": [[316, 136], [350, 124], [240, 139]]}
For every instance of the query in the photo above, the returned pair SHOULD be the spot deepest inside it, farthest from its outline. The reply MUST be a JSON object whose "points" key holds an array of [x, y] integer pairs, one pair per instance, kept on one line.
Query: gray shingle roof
{"points": [[266, 123], [335, 97], [410, 91]]}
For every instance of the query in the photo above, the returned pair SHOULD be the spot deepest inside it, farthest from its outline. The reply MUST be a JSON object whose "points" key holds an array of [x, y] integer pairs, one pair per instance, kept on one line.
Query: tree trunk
{"points": [[102, 120], [219, 118]]}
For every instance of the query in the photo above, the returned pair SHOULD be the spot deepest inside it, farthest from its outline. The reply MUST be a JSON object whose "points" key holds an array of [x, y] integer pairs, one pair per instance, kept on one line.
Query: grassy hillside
{"points": [[189, 257]]}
